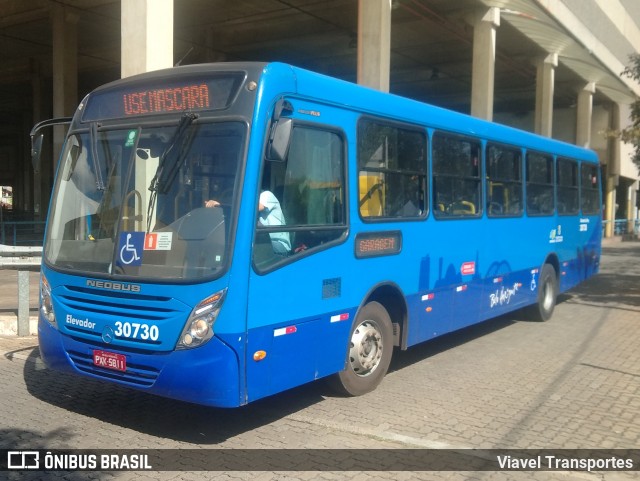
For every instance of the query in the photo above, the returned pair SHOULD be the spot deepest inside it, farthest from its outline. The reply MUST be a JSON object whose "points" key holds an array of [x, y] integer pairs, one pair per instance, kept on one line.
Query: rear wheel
{"points": [[369, 352], [547, 294]]}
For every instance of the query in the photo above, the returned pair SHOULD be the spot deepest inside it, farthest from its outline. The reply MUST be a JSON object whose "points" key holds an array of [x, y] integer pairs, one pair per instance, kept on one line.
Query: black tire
{"points": [[368, 353], [542, 310]]}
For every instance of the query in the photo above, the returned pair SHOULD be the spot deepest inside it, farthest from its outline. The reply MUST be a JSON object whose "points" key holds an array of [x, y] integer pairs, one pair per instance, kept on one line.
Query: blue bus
{"points": [[220, 233]]}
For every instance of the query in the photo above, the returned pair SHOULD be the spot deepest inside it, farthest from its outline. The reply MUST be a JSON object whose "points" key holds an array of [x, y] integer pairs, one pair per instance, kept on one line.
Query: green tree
{"points": [[631, 134]]}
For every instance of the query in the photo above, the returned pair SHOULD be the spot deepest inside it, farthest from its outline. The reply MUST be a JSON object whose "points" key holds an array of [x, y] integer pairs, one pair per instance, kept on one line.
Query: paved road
{"points": [[572, 382]]}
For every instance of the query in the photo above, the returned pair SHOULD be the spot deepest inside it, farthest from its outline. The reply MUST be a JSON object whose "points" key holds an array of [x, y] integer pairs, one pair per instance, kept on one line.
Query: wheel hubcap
{"points": [[547, 300], [366, 348]]}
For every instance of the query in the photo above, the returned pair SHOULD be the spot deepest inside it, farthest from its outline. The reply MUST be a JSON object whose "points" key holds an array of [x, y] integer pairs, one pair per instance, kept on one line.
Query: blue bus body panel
{"points": [[298, 351], [296, 319], [209, 375], [452, 273], [86, 316]]}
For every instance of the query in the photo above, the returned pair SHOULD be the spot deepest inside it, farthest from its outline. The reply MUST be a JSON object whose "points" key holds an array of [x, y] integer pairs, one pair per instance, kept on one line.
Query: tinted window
{"points": [[567, 186], [392, 168], [589, 189], [540, 184], [456, 176], [504, 181]]}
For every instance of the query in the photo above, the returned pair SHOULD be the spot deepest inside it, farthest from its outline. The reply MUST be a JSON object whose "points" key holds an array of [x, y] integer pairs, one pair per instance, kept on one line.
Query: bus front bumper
{"points": [[207, 375]]}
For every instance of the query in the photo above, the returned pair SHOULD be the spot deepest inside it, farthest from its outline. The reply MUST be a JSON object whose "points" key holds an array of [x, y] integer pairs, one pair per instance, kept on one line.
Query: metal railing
{"points": [[25, 233], [622, 227], [23, 259]]}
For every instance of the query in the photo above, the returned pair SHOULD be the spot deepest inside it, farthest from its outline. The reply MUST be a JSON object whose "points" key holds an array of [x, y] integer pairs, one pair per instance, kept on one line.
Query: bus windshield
{"points": [[131, 202]]}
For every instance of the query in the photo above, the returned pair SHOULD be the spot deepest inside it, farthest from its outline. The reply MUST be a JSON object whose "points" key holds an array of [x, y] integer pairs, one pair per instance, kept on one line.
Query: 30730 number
{"points": [[136, 330]]}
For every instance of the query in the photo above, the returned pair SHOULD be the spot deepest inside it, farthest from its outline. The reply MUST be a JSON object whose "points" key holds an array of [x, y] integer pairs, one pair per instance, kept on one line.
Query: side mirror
{"points": [[36, 151], [280, 135], [280, 139], [37, 138]]}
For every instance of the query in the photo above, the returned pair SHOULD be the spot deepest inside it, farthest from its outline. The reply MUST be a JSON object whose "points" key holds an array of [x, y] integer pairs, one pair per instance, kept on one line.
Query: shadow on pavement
{"points": [[625, 249], [618, 281], [157, 416], [420, 352], [610, 288]]}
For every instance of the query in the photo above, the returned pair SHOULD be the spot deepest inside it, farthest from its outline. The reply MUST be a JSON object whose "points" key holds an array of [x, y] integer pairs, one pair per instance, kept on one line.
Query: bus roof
{"points": [[362, 99], [399, 108]]}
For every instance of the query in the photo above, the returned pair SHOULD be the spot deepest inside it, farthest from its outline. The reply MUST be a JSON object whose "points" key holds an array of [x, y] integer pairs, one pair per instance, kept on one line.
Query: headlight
{"points": [[46, 306], [199, 327]]}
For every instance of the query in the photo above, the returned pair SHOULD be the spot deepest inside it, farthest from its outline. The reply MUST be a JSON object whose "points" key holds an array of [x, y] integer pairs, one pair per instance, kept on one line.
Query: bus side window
{"points": [[540, 181], [567, 186], [504, 181], [310, 186], [392, 166], [589, 189], [456, 176]]}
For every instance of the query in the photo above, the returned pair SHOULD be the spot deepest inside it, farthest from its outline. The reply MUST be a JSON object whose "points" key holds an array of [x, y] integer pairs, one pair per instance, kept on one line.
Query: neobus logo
{"points": [[114, 286]]}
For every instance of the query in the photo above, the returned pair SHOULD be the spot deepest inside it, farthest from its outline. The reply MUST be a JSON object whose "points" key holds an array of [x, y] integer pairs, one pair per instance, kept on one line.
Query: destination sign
{"points": [[188, 97], [216, 91], [378, 243]]}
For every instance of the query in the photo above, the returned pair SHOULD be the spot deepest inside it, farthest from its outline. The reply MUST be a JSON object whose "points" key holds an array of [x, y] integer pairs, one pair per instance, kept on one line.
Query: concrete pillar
{"points": [[211, 41], [147, 36], [584, 114], [614, 147], [609, 204], [25, 167], [613, 172], [65, 60], [36, 95], [544, 94], [65, 69], [484, 60], [631, 207], [374, 43]]}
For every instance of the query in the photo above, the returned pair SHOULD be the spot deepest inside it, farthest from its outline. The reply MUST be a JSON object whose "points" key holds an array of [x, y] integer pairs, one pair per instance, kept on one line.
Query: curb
{"points": [[9, 325]]}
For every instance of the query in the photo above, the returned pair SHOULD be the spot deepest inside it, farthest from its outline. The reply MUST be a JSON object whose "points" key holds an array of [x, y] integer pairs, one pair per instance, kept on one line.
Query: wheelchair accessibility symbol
{"points": [[130, 247]]}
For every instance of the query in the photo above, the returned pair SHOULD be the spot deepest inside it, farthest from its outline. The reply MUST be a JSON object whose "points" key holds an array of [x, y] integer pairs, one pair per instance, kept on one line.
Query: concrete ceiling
{"points": [[431, 46]]}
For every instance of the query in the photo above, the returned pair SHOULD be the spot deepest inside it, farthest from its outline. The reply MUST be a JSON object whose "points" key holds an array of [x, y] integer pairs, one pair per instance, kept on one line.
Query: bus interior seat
{"points": [[463, 207], [373, 199]]}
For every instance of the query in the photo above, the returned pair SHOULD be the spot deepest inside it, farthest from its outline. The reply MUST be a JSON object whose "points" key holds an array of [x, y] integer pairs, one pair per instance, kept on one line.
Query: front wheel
{"points": [[369, 352], [547, 294]]}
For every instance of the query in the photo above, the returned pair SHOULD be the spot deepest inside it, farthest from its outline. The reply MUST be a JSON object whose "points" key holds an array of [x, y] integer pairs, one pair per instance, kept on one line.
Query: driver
{"points": [[269, 214]]}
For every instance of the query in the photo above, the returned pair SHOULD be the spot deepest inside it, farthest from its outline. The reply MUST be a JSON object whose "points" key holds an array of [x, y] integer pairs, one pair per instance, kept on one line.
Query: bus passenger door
{"points": [[295, 281]]}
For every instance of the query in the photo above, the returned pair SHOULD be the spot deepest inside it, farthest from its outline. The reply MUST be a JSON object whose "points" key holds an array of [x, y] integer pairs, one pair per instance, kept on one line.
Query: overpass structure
{"points": [[548, 66]]}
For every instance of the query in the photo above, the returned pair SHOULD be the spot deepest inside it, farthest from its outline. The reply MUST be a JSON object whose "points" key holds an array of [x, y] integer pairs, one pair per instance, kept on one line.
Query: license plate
{"points": [[110, 360]]}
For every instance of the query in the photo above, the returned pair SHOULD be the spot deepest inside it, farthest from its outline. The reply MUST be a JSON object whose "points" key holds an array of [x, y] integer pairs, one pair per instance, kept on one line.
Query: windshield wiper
{"points": [[168, 164], [93, 140], [158, 179]]}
